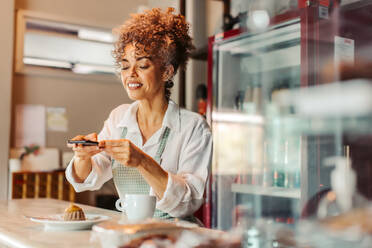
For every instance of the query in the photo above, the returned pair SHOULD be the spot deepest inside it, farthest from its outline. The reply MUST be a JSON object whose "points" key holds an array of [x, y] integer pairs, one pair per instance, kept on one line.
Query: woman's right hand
{"points": [[82, 157], [84, 152]]}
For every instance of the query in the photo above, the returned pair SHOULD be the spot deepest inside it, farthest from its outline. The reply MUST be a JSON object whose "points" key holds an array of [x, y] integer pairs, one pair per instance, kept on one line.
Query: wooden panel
{"points": [[42, 185]]}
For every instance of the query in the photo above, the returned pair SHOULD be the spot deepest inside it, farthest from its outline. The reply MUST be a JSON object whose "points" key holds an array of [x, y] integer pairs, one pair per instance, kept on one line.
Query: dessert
{"points": [[73, 212]]}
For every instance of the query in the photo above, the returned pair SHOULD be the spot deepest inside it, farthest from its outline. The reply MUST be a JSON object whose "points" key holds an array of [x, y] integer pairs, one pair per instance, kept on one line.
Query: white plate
{"points": [[56, 222]]}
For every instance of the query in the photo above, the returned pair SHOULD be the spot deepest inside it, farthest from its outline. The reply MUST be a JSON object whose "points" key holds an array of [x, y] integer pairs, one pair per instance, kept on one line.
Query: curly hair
{"points": [[162, 35]]}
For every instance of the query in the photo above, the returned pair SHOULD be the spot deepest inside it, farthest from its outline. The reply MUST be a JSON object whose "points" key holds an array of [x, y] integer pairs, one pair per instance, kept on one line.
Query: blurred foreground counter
{"points": [[16, 230], [352, 229]]}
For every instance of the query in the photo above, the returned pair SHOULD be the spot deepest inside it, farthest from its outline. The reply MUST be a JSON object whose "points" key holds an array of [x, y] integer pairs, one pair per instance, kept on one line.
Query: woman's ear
{"points": [[168, 73]]}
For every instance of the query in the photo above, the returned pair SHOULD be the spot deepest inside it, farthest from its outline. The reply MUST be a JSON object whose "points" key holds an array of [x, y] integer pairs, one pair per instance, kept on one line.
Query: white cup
{"points": [[136, 206]]}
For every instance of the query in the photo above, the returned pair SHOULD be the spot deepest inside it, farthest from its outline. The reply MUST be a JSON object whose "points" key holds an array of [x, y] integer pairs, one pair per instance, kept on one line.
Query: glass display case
{"points": [[291, 125], [255, 162]]}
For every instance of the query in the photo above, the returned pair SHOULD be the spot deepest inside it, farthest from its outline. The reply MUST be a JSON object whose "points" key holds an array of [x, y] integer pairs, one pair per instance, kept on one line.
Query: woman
{"points": [[150, 146]]}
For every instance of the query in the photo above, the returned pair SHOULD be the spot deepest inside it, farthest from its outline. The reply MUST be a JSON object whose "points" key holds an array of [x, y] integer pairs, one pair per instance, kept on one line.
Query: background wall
{"points": [[214, 19], [205, 18], [87, 102], [6, 48], [196, 71]]}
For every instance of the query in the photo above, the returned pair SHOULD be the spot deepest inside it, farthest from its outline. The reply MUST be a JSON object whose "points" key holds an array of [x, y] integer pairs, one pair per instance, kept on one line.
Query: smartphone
{"points": [[83, 142]]}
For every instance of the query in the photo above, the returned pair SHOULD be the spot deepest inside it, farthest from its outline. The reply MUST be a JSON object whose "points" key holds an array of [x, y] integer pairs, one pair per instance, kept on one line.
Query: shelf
{"points": [[268, 191], [238, 118]]}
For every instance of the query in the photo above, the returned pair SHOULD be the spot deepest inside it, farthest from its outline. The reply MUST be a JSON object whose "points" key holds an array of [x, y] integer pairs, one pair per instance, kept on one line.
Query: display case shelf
{"points": [[232, 117], [267, 191]]}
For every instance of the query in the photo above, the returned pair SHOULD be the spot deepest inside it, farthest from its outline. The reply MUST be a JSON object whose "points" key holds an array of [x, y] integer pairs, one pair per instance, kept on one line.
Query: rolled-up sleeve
{"points": [[184, 191], [101, 166], [100, 174]]}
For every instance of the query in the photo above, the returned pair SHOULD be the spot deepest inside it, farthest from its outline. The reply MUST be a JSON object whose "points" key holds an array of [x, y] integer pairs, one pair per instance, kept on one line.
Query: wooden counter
{"points": [[19, 232]]}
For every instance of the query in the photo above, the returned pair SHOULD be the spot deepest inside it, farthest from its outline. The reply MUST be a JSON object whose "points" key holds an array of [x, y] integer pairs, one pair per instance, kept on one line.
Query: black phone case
{"points": [[83, 142]]}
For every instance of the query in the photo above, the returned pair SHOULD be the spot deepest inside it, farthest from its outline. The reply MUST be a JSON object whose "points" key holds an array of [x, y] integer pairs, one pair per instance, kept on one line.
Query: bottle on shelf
{"points": [[201, 96], [266, 172], [239, 100], [277, 154], [343, 197], [248, 105], [257, 98], [292, 161]]}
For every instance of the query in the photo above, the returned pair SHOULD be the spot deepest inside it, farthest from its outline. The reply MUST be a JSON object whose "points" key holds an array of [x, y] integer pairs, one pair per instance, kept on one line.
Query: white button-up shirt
{"points": [[186, 157]]}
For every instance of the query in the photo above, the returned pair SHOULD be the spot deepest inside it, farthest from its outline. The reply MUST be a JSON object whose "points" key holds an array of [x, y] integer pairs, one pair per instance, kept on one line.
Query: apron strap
{"points": [[129, 181], [124, 133], [162, 145]]}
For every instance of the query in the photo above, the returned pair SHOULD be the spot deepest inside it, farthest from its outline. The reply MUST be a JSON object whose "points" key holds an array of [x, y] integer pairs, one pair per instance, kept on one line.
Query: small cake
{"points": [[74, 212]]}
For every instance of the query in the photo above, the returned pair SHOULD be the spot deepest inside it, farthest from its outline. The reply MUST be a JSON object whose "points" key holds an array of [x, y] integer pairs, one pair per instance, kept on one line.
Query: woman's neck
{"points": [[151, 113]]}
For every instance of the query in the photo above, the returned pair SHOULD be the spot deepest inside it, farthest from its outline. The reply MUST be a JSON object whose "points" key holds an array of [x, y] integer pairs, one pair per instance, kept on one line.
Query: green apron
{"points": [[129, 181]]}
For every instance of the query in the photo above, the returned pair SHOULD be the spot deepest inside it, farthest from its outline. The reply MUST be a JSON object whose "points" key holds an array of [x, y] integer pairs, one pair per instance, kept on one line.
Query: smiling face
{"points": [[140, 75]]}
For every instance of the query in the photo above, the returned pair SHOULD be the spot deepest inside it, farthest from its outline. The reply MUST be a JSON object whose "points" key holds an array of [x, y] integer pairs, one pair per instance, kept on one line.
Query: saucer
{"points": [[56, 222]]}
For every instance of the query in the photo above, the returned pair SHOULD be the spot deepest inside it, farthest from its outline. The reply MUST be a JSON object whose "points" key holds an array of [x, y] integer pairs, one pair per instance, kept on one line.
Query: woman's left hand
{"points": [[124, 151]]}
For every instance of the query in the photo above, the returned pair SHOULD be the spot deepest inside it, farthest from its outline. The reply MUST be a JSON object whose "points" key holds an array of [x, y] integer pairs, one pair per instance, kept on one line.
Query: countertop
{"points": [[18, 231]]}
